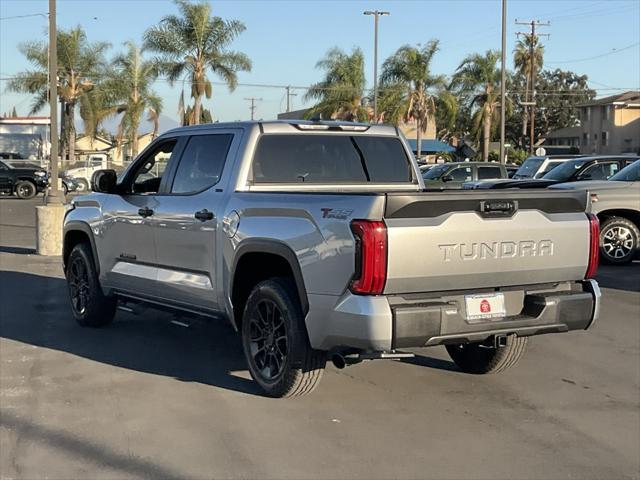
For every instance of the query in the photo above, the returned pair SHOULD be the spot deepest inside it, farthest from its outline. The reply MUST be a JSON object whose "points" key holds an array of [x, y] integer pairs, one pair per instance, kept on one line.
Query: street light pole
{"points": [[376, 14], [503, 79], [54, 194]]}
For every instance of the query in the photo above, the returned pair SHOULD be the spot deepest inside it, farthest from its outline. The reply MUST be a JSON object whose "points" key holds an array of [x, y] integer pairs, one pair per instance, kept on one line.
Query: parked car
{"points": [[537, 167], [83, 173], [304, 235], [512, 169], [580, 169], [616, 202], [69, 184], [24, 182], [454, 174]]}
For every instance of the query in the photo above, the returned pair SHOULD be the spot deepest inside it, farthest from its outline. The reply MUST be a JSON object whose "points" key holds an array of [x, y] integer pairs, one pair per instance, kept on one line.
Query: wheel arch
{"points": [[628, 213], [76, 232], [276, 259]]}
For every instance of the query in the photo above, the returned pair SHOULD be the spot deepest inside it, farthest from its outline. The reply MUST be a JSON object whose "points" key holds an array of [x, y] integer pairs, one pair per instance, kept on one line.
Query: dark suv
{"points": [[600, 167]]}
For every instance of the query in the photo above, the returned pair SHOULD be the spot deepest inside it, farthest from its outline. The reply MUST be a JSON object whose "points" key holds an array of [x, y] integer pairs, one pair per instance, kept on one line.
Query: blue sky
{"points": [[285, 39]]}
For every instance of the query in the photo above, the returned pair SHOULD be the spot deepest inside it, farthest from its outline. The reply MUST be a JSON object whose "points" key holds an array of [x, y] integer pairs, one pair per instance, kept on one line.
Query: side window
{"points": [[201, 164], [148, 172], [485, 173], [461, 174], [600, 171]]}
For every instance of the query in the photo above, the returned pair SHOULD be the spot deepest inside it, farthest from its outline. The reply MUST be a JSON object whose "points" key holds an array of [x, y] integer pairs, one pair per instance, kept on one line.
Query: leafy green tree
{"points": [[412, 91], [194, 43], [340, 94], [128, 91], [478, 78], [79, 63], [558, 94]]}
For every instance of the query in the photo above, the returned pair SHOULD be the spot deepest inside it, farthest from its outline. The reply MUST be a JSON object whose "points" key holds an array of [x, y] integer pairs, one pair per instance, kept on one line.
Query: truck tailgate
{"points": [[471, 239]]}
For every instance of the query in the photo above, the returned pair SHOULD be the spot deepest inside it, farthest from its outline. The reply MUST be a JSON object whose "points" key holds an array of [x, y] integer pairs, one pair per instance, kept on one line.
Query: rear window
{"points": [[330, 159], [529, 168], [485, 173]]}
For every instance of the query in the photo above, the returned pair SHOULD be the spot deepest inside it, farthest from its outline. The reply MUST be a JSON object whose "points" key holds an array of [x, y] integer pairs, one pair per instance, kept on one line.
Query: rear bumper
{"points": [[389, 322]]}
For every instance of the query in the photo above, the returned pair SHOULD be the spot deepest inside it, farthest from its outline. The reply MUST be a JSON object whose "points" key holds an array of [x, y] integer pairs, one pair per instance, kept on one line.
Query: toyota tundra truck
{"points": [[318, 240]]}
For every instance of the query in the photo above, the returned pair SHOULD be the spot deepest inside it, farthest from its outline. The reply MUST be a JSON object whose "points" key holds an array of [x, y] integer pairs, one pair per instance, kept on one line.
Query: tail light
{"points": [[594, 246], [371, 257]]}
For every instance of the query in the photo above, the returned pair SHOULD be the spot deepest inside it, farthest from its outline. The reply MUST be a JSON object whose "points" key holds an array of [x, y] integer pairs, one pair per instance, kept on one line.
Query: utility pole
{"points": [[503, 79], [532, 74], [53, 196], [253, 107], [376, 14], [289, 95], [49, 217]]}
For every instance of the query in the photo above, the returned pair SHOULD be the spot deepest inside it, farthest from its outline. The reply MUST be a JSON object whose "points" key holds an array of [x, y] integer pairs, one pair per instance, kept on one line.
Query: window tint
{"points": [[461, 174], [148, 174], [529, 167], [385, 159], [600, 171], [201, 164], [631, 173], [329, 159], [485, 173]]}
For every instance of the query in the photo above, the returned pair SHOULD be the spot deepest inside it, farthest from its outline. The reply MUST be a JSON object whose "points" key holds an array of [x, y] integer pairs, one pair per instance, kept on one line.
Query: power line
{"points": [[46, 15], [614, 50]]}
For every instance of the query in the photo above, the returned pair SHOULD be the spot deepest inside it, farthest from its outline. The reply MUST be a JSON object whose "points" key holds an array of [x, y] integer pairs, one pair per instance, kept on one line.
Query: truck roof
{"points": [[294, 126]]}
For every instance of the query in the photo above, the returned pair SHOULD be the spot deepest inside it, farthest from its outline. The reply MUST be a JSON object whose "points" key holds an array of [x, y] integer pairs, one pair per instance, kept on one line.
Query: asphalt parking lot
{"points": [[146, 398]]}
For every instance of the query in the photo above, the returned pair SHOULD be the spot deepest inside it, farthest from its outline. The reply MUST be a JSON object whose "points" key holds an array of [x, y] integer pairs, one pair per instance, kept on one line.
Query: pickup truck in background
{"points": [[317, 240], [453, 174], [616, 202]]}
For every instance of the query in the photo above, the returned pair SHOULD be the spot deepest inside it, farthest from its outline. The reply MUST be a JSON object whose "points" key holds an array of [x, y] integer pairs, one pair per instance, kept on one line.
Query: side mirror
{"points": [[447, 178], [104, 181]]}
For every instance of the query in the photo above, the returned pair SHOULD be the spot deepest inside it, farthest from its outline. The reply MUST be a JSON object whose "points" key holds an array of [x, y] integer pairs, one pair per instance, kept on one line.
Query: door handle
{"points": [[204, 215], [145, 212]]}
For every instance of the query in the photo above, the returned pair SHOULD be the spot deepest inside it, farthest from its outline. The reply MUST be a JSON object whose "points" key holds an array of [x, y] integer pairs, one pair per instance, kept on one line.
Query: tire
{"points": [[83, 186], [26, 189], [619, 240], [275, 341], [90, 307], [479, 359]]}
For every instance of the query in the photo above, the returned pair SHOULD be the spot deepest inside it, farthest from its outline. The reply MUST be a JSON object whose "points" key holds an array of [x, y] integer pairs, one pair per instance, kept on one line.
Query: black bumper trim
{"points": [[438, 323]]}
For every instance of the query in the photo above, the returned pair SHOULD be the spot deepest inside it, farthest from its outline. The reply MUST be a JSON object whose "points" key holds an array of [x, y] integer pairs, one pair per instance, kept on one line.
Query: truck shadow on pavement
{"points": [[34, 310], [620, 277]]}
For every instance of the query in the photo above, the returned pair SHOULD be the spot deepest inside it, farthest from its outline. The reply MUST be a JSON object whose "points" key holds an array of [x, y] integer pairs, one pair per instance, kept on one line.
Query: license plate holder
{"points": [[485, 307]]}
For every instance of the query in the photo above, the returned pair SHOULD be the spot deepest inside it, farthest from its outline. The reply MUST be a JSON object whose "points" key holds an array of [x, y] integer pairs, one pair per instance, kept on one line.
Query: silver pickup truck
{"points": [[318, 240]]}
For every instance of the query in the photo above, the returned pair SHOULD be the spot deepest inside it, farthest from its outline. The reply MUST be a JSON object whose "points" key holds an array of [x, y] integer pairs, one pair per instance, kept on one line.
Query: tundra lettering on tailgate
{"points": [[483, 251]]}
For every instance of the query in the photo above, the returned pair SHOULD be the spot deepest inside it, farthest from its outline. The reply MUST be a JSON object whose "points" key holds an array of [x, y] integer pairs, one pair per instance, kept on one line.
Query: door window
{"points": [[202, 162], [148, 172], [600, 171], [485, 173], [460, 174]]}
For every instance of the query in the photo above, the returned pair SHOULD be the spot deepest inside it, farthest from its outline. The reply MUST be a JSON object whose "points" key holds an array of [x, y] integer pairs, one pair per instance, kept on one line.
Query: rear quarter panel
{"points": [[314, 226]]}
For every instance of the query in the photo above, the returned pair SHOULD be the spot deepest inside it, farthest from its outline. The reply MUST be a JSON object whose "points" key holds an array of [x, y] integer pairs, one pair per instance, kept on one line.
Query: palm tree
{"points": [[79, 62], [341, 92], [194, 43], [407, 83], [478, 78], [128, 91], [524, 63]]}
